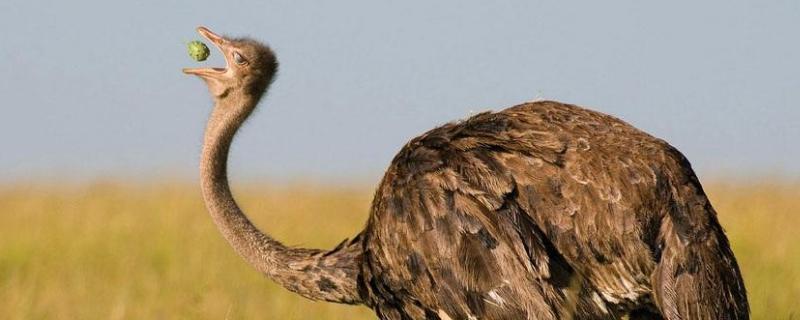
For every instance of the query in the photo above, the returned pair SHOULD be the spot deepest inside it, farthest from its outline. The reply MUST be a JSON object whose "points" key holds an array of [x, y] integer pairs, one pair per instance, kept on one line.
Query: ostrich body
{"points": [[541, 211]]}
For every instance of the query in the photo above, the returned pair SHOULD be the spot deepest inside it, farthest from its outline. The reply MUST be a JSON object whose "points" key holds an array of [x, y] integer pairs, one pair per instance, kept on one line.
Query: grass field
{"points": [[149, 251]]}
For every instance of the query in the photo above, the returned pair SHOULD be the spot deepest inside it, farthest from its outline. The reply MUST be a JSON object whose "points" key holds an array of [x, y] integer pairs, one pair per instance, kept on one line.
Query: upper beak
{"points": [[218, 41], [211, 36]]}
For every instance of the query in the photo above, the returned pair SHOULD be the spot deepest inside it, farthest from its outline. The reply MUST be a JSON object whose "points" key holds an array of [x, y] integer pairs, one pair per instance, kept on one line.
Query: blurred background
{"points": [[100, 212]]}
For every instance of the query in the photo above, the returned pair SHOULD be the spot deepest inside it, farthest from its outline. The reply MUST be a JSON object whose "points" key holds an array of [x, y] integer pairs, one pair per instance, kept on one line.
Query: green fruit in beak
{"points": [[198, 51]]}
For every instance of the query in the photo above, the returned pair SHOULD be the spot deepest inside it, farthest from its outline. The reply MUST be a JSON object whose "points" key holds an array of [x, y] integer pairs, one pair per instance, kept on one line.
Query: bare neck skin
{"points": [[314, 274], [248, 241]]}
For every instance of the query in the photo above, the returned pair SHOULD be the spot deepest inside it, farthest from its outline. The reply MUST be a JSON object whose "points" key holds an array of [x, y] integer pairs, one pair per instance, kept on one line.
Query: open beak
{"points": [[221, 44]]}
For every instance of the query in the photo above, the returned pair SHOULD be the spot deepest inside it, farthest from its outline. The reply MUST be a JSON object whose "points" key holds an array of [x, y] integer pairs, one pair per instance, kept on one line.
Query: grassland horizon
{"points": [[112, 249]]}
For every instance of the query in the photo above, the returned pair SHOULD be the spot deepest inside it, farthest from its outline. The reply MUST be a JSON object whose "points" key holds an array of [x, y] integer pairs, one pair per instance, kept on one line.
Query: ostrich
{"points": [[541, 211]]}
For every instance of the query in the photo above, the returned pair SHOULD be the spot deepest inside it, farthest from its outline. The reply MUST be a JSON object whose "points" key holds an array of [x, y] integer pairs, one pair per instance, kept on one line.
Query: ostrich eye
{"points": [[239, 59]]}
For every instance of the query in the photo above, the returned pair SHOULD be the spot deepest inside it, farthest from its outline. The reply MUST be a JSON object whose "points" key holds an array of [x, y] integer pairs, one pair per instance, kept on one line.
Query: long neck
{"points": [[315, 274]]}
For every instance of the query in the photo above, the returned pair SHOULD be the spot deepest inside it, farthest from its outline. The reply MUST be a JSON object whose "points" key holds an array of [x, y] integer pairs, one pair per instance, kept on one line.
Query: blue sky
{"points": [[94, 88]]}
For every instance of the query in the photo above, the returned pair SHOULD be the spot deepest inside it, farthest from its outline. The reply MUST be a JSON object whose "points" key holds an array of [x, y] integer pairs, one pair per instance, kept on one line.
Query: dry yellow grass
{"points": [[115, 251]]}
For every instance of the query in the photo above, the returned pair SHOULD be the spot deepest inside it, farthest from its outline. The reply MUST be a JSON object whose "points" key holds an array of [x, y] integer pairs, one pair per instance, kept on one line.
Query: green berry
{"points": [[198, 51]]}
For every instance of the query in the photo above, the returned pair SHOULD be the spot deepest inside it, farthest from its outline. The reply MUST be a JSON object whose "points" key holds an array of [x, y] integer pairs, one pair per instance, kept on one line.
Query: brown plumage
{"points": [[540, 211]]}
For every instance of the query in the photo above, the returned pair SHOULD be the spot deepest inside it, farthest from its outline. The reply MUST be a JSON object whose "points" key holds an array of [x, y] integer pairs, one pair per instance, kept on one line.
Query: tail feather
{"points": [[697, 276]]}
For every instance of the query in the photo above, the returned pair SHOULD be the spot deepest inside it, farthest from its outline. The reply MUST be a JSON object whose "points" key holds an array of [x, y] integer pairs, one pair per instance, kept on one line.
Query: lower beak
{"points": [[204, 72]]}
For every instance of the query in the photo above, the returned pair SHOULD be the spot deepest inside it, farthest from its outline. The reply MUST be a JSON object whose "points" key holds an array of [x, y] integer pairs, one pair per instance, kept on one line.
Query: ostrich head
{"points": [[250, 67]]}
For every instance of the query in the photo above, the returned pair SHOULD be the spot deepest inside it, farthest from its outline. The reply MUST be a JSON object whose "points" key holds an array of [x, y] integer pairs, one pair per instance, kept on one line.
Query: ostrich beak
{"points": [[223, 45]]}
